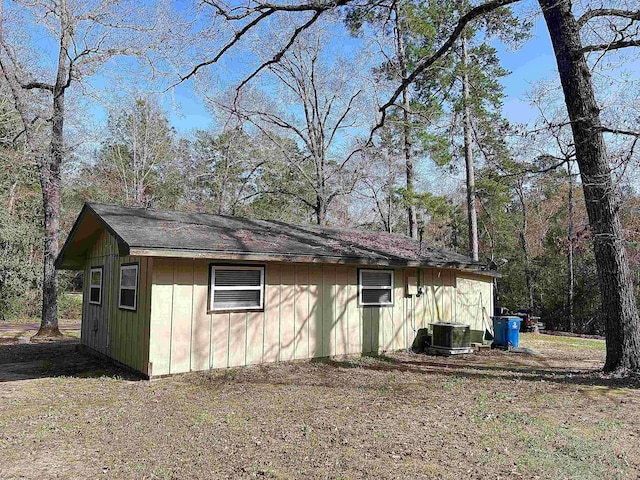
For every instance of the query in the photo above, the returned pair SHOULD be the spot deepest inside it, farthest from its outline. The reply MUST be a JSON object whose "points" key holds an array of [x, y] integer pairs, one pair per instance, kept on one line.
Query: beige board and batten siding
{"points": [[474, 302], [120, 334], [309, 311]]}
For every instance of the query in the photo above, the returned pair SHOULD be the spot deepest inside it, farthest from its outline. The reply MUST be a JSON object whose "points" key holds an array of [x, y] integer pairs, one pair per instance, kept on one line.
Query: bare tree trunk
{"points": [[141, 200], [524, 243], [49, 167], [527, 267], [614, 275], [389, 207], [406, 131], [570, 236], [50, 182], [468, 157], [222, 190], [321, 191], [321, 210]]}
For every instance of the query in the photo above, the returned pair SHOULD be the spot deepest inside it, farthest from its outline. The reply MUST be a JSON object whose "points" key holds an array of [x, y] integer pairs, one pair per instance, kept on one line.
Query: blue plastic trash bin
{"points": [[512, 332], [507, 331]]}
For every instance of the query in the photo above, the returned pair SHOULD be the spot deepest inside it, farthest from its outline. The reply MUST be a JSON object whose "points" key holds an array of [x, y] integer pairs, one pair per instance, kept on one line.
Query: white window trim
{"points": [[213, 287], [135, 288], [375, 287], [93, 285]]}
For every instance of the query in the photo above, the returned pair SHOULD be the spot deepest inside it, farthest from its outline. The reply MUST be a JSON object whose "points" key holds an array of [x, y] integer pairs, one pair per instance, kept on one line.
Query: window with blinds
{"points": [[236, 288], [376, 287]]}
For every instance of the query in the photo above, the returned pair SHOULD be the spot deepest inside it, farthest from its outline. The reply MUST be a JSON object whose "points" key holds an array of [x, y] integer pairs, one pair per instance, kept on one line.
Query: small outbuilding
{"points": [[169, 292]]}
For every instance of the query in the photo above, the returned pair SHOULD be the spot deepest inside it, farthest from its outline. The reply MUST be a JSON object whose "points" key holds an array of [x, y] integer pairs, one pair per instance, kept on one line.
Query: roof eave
{"points": [[296, 258]]}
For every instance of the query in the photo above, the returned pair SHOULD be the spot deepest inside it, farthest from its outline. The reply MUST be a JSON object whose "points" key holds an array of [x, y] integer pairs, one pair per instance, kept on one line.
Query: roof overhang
{"points": [[84, 233], [293, 258]]}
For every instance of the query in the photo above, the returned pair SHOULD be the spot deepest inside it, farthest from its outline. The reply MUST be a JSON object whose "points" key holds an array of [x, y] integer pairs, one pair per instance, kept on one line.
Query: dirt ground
{"points": [[492, 415], [26, 326]]}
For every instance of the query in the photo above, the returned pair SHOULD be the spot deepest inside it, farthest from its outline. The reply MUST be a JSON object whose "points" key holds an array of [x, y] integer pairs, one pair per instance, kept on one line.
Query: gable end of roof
{"points": [[62, 261]]}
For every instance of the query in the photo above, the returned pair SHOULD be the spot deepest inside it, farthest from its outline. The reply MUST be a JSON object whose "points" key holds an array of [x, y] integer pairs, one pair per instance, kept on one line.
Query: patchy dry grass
{"points": [[555, 341], [489, 415]]}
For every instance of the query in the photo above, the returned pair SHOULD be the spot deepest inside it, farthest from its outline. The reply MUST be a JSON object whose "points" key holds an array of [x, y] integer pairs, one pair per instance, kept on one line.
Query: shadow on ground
{"points": [[64, 358], [510, 368], [55, 358]]}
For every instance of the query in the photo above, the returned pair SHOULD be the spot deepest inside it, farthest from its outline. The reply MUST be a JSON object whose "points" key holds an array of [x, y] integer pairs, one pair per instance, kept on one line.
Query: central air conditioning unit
{"points": [[450, 339]]}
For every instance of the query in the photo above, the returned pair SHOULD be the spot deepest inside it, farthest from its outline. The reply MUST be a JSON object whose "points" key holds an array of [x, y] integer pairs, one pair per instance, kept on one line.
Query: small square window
{"points": [[127, 299], [375, 288], [236, 288], [95, 286]]}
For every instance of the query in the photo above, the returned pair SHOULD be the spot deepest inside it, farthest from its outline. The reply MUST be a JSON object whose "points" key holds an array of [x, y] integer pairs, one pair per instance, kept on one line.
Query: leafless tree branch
{"points": [[617, 45], [619, 131], [607, 12], [278, 56], [38, 85]]}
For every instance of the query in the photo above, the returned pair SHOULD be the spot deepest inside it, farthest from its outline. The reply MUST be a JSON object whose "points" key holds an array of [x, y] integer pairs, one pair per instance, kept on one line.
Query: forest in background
{"points": [[523, 218], [295, 145]]}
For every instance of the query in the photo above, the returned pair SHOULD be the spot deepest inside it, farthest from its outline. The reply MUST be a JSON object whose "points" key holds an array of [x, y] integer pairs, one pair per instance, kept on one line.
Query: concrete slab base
{"points": [[447, 351]]}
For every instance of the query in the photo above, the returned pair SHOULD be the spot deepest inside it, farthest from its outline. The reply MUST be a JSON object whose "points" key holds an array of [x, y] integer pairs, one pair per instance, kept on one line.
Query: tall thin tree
{"points": [[87, 36]]}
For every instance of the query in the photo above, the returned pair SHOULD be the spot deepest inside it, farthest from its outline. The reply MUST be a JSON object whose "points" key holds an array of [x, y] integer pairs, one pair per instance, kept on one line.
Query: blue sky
{"points": [[186, 111], [531, 63], [534, 61]]}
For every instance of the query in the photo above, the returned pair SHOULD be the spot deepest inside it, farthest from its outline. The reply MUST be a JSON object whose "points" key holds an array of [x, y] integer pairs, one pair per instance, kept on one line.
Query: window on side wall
{"points": [[127, 299], [236, 288], [375, 288], [95, 286]]}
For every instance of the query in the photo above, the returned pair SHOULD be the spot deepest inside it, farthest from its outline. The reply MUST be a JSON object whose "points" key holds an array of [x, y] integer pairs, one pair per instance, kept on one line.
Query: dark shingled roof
{"points": [[151, 232]]}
